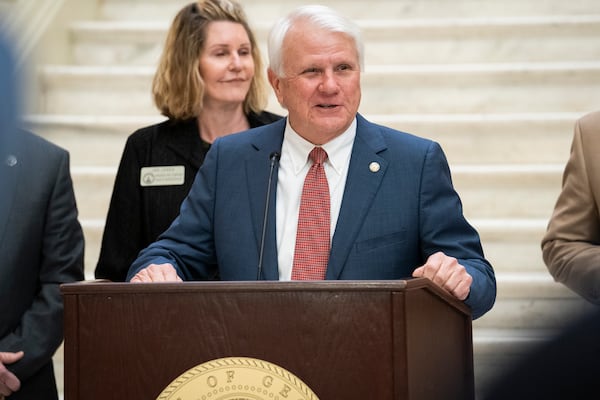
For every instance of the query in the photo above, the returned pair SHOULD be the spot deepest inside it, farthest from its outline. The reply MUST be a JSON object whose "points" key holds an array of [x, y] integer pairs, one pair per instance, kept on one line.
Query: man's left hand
{"points": [[447, 273]]}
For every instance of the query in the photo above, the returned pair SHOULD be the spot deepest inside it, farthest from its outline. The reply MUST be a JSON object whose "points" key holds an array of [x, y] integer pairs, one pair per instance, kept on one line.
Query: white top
{"points": [[293, 167]]}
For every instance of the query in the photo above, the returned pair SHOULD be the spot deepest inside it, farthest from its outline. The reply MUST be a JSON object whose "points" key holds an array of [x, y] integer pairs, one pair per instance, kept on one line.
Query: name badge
{"points": [[162, 176]]}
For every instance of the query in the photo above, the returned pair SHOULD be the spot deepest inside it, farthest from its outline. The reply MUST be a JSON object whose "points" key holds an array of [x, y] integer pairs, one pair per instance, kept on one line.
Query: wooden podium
{"points": [[360, 340]]}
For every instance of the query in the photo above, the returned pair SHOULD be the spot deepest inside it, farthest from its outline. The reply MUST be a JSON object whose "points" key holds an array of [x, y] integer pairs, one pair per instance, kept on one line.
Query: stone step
{"points": [[92, 232], [528, 300], [93, 187], [412, 89], [481, 88], [512, 245], [507, 191], [481, 40], [387, 41], [94, 90], [492, 138], [488, 341], [258, 11], [106, 135], [465, 138]]}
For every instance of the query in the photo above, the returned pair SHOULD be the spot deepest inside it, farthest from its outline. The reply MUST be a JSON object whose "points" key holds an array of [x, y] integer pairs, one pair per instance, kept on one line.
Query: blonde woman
{"points": [[209, 83]]}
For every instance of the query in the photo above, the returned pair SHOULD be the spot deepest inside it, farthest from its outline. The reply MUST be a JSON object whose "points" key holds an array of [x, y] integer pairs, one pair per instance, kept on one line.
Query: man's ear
{"points": [[275, 81]]}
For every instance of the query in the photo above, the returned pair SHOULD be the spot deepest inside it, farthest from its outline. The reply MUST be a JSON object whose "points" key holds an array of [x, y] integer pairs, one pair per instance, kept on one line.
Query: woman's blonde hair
{"points": [[177, 87]]}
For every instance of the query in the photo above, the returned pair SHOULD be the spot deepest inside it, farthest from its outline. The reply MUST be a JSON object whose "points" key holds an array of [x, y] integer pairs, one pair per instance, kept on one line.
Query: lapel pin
{"points": [[374, 166], [11, 160]]}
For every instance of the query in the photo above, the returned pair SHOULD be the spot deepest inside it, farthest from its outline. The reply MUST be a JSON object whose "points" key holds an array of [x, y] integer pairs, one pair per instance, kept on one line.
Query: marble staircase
{"points": [[498, 84]]}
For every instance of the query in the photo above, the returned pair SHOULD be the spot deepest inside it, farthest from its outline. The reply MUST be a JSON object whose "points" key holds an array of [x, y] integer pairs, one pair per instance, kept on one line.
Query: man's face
{"points": [[321, 83]]}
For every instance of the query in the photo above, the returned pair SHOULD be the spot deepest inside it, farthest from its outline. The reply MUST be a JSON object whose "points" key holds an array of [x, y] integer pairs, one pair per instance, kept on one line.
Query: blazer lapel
{"points": [[9, 171], [258, 167], [362, 184]]}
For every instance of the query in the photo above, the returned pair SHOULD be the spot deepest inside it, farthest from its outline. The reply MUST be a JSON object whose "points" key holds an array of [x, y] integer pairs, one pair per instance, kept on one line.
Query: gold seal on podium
{"points": [[237, 378]]}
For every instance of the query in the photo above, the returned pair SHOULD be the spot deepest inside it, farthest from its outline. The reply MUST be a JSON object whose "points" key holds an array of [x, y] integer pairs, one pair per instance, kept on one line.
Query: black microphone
{"points": [[274, 157]]}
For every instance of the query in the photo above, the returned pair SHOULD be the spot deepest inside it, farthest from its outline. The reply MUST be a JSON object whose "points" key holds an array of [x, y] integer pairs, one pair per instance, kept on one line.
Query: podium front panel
{"points": [[345, 340]]}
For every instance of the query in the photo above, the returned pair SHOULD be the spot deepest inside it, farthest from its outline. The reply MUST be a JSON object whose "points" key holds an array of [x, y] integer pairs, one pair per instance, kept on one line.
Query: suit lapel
{"points": [[258, 163], [362, 184], [9, 171]]}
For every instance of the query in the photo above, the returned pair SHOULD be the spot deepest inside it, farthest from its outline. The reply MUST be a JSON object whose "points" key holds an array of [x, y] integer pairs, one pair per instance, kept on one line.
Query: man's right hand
{"points": [[157, 273], [9, 383]]}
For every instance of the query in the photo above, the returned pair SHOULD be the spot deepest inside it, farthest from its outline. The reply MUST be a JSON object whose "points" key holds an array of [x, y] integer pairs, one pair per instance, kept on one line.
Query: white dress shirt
{"points": [[293, 167]]}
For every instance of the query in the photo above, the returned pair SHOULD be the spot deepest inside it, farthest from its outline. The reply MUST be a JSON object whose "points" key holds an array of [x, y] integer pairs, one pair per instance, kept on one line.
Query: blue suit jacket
{"points": [[390, 221]]}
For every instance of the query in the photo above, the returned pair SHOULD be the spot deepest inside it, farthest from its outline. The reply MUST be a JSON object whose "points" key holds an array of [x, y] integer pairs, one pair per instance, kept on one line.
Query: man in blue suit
{"points": [[394, 211]]}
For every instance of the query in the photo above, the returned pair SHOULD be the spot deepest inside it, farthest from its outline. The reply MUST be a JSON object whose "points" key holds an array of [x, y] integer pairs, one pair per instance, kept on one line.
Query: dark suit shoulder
{"points": [[270, 135], [262, 118], [34, 139], [383, 137], [163, 131], [36, 146], [399, 135], [165, 143]]}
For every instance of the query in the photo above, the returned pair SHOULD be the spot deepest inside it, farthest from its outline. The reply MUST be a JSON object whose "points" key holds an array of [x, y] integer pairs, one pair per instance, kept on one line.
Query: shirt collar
{"points": [[338, 149]]}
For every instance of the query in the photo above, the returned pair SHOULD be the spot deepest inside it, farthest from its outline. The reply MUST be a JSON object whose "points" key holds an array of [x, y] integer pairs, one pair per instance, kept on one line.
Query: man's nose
{"points": [[328, 82]]}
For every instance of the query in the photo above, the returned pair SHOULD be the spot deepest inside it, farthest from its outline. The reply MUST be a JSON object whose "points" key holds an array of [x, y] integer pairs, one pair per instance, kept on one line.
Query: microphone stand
{"points": [[274, 157]]}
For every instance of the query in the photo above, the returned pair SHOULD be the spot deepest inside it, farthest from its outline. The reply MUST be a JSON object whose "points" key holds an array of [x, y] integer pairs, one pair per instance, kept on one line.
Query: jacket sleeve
{"points": [[571, 245], [444, 228]]}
